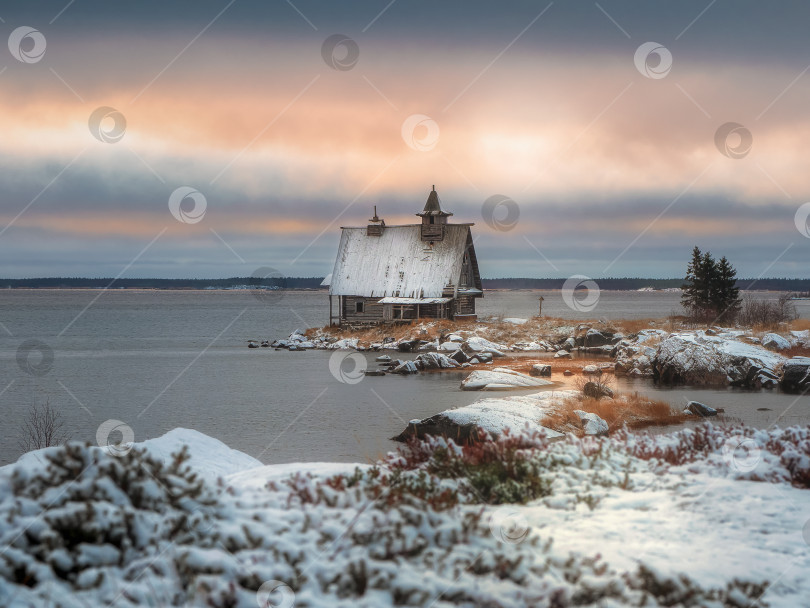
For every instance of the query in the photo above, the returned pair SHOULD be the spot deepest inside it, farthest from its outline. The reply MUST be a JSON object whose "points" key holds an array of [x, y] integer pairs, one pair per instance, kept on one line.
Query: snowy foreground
{"points": [[703, 517]]}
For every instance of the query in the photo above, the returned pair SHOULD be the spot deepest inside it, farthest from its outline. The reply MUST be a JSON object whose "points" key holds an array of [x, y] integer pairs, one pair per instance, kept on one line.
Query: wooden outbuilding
{"points": [[399, 273]]}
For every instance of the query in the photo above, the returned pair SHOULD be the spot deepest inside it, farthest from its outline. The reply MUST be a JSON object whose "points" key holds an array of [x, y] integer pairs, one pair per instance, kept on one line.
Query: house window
{"points": [[359, 307]]}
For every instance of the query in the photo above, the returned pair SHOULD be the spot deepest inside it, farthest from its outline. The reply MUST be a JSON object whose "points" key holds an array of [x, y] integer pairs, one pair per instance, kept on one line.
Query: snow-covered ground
{"points": [[703, 517]]}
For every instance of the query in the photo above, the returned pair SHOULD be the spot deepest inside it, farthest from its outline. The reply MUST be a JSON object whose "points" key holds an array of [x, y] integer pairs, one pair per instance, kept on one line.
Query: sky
{"points": [[210, 138]]}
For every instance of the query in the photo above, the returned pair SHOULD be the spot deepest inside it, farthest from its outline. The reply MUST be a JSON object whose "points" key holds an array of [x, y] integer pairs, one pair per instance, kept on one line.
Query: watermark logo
{"points": [[509, 526], [340, 52], [348, 368], [653, 60], [107, 125], [267, 285], [115, 437], [275, 594], [187, 216], [741, 454], [27, 44], [802, 220], [500, 212], [420, 132], [580, 293], [34, 357], [733, 140]]}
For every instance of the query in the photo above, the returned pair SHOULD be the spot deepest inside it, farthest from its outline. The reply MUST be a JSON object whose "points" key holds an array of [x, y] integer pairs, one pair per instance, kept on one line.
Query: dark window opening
{"points": [[359, 307]]}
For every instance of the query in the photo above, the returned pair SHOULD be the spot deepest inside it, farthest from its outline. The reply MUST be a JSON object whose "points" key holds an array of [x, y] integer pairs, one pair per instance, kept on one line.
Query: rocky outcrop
{"points": [[697, 358], [775, 342], [500, 379], [796, 375], [435, 361], [517, 414]]}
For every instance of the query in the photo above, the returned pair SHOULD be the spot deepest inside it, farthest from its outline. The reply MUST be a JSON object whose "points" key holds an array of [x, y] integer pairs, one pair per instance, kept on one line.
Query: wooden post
{"points": [[540, 314], [330, 310]]}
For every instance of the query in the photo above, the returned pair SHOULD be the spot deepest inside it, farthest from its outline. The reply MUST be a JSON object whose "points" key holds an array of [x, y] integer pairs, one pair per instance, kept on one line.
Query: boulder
{"points": [[591, 370], [494, 415], [484, 357], [568, 372], [698, 358], [596, 391], [405, 367], [594, 337], [561, 354], [775, 342], [384, 359], [435, 361], [540, 369], [569, 344], [455, 338], [477, 344], [448, 347], [592, 424], [796, 375], [460, 356], [374, 372], [699, 409], [408, 346], [500, 378]]}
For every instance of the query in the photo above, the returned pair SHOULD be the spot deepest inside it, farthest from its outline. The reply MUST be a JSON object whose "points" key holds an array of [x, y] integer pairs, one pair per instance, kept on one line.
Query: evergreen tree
{"points": [[710, 292], [728, 294], [695, 291]]}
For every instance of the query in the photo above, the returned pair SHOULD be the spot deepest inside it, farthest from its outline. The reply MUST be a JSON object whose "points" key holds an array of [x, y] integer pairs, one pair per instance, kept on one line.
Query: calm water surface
{"points": [[157, 360]]}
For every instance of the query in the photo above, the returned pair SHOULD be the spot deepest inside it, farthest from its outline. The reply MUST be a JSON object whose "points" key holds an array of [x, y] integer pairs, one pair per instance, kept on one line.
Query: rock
{"points": [[295, 347], [699, 409], [474, 360], [517, 414], [562, 353], [515, 320], [540, 369], [568, 372], [484, 357], [384, 359], [449, 347], [569, 344], [478, 344], [500, 378], [591, 370], [775, 342], [435, 361], [305, 344], [374, 372], [460, 356], [594, 337], [697, 358], [455, 338], [592, 424], [796, 375], [408, 346], [405, 367], [637, 373], [465, 364], [596, 391]]}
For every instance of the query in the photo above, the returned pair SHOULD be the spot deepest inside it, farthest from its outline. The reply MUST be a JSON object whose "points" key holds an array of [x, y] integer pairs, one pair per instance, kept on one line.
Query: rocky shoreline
{"points": [[714, 356]]}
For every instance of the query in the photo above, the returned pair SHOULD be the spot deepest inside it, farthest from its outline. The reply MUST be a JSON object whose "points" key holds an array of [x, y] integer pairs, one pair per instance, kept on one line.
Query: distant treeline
{"points": [[774, 284]]}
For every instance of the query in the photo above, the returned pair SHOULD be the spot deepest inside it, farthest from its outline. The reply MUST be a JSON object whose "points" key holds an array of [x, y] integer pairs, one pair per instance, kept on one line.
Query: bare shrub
{"points": [[42, 428], [767, 314]]}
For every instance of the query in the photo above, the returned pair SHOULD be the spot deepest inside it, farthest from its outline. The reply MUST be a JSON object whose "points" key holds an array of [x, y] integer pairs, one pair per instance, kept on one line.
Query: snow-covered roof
{"points": [[414, 300], [327, 280], [397, 263]]}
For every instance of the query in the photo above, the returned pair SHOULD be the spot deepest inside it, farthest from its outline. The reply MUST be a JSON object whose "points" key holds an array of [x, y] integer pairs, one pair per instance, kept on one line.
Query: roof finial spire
{"points": [[434, 187]]}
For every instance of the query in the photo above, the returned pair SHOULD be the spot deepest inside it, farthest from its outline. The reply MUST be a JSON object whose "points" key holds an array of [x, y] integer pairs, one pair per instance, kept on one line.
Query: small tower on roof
{"points": [[434, 218]]}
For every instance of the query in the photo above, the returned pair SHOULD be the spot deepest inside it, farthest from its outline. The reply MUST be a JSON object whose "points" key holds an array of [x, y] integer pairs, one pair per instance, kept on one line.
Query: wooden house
{"points": [[389, 274]]}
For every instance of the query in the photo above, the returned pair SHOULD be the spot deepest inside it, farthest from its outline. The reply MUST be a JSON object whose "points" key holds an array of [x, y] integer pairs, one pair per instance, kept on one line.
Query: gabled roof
{"points": [[398, 263]]}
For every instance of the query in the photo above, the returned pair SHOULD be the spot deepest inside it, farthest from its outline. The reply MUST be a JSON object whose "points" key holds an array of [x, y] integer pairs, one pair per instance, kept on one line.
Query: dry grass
{"points": [[796, 351], [634, 410], [633, 326], [800, 324]]}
